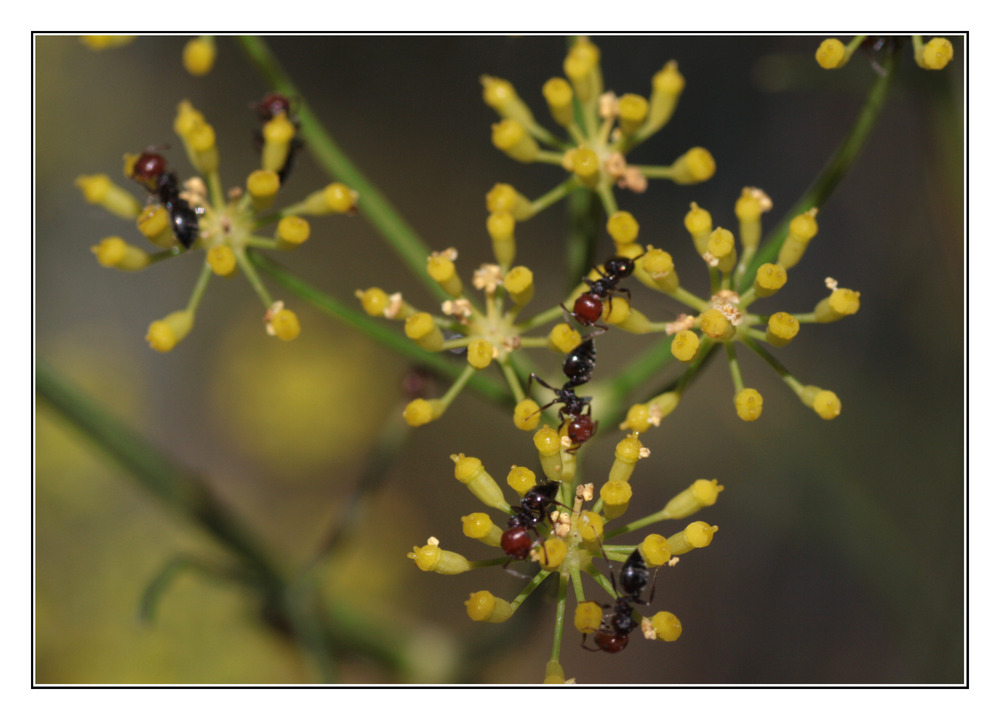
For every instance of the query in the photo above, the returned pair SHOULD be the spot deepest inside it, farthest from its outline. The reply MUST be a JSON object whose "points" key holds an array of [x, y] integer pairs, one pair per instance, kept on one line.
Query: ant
{"points": [[581, 427], [150, 171], [579, 363], [273, 105], [588, 307], [616, 625], [534, 508]]}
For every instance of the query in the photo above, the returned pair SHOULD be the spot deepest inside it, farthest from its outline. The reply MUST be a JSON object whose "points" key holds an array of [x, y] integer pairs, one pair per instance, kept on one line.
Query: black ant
{"points": [[150, 171], [617, 625], [581, 427], [579, 363], [588, 307], [578, 367], [273, 105], [516, 541]]}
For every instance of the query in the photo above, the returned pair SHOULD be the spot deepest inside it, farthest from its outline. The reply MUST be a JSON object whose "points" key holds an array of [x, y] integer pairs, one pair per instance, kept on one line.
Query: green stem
{"points": [[371, 203], [831, 175], [392, 339]]}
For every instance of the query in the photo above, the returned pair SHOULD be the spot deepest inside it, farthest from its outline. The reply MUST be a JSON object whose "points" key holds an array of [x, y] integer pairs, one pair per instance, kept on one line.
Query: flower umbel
{"points": [[551, 527], [600, 128], [724, 318], [195, 214]]}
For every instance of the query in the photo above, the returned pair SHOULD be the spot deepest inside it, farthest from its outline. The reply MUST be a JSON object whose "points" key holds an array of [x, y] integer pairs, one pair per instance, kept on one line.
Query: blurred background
{"points": [[840, 554]]}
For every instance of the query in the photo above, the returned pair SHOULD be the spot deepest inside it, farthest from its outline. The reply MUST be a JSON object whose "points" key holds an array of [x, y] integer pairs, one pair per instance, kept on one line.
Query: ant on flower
{"points": [[588, 307], [534, 508], [149, 169], [617, 625], [273, 105]]}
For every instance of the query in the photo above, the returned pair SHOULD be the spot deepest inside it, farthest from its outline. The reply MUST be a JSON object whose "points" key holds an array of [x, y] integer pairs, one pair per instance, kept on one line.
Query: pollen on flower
{"points": [[623, 228], [420, 411], [483, 606], [222, 260], [587, 617], [431, 558], [293, 230], [521, 479], [700, 494], [781, 328], [559, 96], [655, 550], [563, 338], [749, 404], [282, 323], [480, 353], [715, 325], [685, 345], [831, 54], [770, 278], [527, 415], [936, 54], [487, 277], [100, 190], [198, 56], [510, 137], [667, 626], [163, 335], [695, 166]]}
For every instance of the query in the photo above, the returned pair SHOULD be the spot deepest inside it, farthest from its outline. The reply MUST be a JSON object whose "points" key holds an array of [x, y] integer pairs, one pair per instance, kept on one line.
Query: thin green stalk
{"points": [[389, 337], [831, 175], [371, 203]]}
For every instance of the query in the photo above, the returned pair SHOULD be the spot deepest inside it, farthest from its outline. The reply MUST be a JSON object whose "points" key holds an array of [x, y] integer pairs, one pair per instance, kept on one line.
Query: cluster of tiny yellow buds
{"points": [[198, 56], [163, 335], [114, 252], [100, 190], [431, 558], [197, 213]]}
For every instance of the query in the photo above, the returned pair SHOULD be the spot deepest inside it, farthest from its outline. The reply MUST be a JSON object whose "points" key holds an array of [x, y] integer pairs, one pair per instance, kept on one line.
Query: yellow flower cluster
{"points": [[599, 130], [197, 214], [723, 318], [551, 527]]}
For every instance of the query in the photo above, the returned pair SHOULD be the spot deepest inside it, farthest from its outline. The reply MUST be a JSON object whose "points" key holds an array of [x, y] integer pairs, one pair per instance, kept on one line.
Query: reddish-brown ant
{"points": [[618, 624], [270, 107], [589, 306]]}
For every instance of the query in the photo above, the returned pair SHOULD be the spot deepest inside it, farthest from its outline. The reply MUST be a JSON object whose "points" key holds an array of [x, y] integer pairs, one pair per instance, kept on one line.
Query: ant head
{"points": [[146, 169], [271, 106]]}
